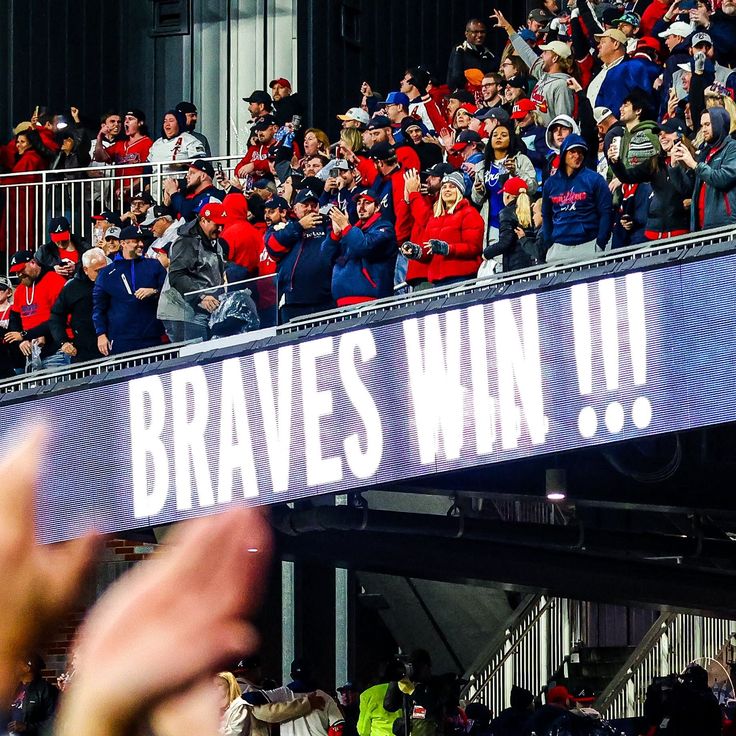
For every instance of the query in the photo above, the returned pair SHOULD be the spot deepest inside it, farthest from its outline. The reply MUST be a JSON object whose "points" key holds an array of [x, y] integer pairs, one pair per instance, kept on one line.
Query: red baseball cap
{"points": [[514, 186], [215, 212], [522, 108], [281, 83]]}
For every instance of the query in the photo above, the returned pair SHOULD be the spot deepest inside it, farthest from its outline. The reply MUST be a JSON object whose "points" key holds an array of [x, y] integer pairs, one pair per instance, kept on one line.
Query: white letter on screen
{"points": [[145, 440], [189, 442], [434, 379], [236, 446], [519, 366], [276, 412], [484, 405], [315, 405], [362, 464]]}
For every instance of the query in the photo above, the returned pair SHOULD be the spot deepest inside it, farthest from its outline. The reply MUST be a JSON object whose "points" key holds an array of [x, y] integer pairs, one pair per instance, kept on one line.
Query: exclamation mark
{"points": [[587, 419], [615, 415], [641, 412]]}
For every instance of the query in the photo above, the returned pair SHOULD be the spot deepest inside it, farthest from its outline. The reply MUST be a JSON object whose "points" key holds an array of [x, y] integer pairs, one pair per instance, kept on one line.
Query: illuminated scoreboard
{"points": [[595, 362]]}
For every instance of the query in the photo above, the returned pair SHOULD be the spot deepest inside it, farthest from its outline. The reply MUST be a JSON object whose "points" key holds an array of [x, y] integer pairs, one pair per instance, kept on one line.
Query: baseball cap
{"points": [[281, 81], [557, 47], [276, 203], [155, 213], [514, 186], [205, 166], [131, 232], [355, 113], [633, 19], [462, 95], [214, 211], [367, 194], [144, 196], [306, 195], [59, 229], [558, 694], [397, 98], [600, 114], [382, 151], [528, 35], [185, 107], [5, 284], [107, 216], [259, 95], [265, 122], [539, 15], [378, 121], [522, 108], [112, 232], [441, 170], [467, 136], [19, 260], [674, 125], [25, 125], [686, 67], [493, 112], [614, 34], [678, 28], [341, 164], [469, 108], [701, 37]]}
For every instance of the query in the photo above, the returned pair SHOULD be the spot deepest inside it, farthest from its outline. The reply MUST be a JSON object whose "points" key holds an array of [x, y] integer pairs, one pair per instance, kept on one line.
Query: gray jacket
{"points": [[196, 263]]}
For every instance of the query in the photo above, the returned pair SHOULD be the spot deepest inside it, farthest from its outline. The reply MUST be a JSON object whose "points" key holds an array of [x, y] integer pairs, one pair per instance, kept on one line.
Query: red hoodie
{"points": [[243, 240]]}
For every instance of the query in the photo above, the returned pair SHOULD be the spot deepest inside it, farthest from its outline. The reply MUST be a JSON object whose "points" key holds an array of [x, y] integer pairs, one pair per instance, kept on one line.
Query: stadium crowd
{"points": [[600, 125]]}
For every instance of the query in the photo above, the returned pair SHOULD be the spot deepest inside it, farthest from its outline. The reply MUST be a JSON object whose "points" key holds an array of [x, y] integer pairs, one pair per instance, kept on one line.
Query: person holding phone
{"points": [[363, 255]]}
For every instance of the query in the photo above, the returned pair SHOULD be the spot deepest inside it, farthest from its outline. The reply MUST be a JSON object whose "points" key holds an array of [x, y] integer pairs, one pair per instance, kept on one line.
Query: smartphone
{"points": [[688, 4]]}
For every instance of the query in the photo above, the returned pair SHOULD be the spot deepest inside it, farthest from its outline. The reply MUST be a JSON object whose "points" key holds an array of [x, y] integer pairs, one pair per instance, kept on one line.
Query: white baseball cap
{"points": [[357, 114], [600, 114], [678, 28]]}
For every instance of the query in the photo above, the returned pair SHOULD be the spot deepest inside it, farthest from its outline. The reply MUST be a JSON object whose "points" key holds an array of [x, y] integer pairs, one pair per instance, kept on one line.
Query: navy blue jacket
{"points": [[364, 257], [576, 209], [304, 272], [188, 207], [116, 312]]}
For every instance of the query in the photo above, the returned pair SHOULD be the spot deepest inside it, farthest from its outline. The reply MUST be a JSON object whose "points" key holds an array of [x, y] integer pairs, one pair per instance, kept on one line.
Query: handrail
{"points": [[510, 637], [387, 304], [671, 644]]}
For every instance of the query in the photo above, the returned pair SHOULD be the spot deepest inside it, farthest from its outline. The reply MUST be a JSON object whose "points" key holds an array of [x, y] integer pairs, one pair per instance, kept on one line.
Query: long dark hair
{"points": [[515, 144], [35, 143]]}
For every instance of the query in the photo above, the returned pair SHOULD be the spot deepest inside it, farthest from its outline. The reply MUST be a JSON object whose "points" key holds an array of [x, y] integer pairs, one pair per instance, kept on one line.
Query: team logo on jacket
{"points": [[567, 202]]}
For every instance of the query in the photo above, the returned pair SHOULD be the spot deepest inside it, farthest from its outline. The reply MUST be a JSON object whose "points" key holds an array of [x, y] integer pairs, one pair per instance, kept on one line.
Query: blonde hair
{"points": [[233, 689], [441, 209], [321, 136], [353, 138], [524, 209]]}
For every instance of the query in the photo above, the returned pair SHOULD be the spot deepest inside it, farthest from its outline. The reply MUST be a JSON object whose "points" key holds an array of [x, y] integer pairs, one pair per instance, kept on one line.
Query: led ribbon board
{"points": [[593, 363]]}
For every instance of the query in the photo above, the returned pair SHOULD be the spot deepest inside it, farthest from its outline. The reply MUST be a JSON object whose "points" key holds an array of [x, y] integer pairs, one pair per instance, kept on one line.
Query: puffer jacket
{"points": [[364, 256], [462, 229], [516, 253]]}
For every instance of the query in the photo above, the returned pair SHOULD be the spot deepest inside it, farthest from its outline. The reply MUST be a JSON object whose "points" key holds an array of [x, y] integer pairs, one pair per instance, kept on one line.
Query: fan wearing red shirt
{"points": [[29, 316], [132, 150]]}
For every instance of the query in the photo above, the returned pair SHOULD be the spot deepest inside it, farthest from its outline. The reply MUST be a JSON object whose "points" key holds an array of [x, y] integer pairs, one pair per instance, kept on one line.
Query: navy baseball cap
{"points": [[131, 232], [305, 195], [276, 203], [378, 121], [382, 151], [19, 260]]}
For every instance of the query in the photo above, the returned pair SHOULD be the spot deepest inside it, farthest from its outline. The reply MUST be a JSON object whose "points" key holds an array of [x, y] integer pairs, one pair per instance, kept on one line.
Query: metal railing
{"points": [[532, 651], [671, 644], [29, 200]]}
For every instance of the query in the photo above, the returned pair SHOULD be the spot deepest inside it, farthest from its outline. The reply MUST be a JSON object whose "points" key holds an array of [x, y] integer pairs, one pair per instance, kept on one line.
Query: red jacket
{"points": [[651, 15], [244, 242], [463, 230], [420, 207]]}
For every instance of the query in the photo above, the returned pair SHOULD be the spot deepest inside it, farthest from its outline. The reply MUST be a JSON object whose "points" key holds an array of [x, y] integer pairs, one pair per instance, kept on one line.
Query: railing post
{"points": [[44, 216]]}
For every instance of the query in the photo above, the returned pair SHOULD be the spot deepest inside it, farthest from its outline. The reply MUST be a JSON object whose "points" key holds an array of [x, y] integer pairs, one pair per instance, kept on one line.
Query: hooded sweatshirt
{"points": [[576, 208], [244, 243], [714, 191]]}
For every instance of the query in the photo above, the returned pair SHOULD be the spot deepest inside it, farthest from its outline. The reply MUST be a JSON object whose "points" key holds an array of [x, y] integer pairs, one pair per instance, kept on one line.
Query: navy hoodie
{"points": [[578, 208]]}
